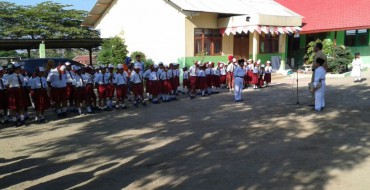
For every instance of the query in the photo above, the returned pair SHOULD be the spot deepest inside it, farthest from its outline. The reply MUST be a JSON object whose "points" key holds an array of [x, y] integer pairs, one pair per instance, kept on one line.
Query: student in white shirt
{"points": [[155, 84], [57, 83], [202, 79], [80, 91], [239, 79], [223, 74], [193, 78], [121, 87], [185, 81], [136, 80], [17, 102], [101, 81], [268, 71], [39, 94], [166, 85]]}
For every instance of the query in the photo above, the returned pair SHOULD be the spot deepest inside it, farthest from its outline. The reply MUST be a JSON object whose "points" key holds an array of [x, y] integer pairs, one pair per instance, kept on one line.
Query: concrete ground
{"points": [[266, 142]]}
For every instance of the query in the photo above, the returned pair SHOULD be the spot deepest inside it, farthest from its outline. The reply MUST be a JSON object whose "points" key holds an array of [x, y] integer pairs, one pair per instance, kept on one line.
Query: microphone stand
{"points": [[297, 86]]}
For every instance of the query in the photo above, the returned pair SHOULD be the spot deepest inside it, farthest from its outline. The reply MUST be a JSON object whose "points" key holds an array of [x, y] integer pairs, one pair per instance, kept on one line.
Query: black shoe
{"points": [[64, 114], [192, 97], [144, 103], [322, 108], [311, 105], [136, 105], [124, 107]]}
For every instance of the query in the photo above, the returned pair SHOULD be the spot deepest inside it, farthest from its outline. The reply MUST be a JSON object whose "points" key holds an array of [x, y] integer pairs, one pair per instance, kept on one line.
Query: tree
{"points": [[113, 51], [328, 47], [41, 21]]}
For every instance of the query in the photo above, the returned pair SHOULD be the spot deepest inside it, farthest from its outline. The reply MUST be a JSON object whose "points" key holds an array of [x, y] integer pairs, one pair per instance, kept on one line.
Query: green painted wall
{"points": [[267, 56], [189, 61], [302, 41], [331, 35], [364, 51], [340, 37]]}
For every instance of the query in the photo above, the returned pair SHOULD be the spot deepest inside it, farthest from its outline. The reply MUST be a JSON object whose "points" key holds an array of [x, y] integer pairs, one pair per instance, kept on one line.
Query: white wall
{"points": [[150, 26]]}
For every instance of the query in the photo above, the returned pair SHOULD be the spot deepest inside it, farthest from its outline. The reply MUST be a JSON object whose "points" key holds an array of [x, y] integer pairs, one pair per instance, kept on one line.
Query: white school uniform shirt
{"points": [[36, 83], [26, 81], [170, 74], [102, 80], [193, 71], [164, 76], [70, 76], [230, 67], [268, 69], [255, 70], [4, 84], [216, 72], [250, 67], [223, 71], [54, 79], [185, 75], [147, 74], [136, 77], [319, 75], [113, 75], [78, 81], [121, 79], [88, 78], [176, 73], [160, 71], [201, 73], [13, 81], [209, 71], [154, 76], [239, 72]]}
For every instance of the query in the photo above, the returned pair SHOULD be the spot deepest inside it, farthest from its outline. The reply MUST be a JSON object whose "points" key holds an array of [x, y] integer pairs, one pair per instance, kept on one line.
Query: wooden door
{"points": [[241, 46]]}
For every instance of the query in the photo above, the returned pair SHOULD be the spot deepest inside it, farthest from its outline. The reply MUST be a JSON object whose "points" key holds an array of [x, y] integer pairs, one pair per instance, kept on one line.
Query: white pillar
{"points": [[282, 50], [255, 41]]}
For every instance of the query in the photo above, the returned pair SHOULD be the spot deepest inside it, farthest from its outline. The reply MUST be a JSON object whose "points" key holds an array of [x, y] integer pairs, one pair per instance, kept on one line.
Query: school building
{"points": [[186, 30], [344, 22]]}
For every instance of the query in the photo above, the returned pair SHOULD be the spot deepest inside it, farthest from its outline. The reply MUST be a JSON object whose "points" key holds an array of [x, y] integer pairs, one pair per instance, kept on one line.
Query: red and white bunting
{"points": [[265, 29]]}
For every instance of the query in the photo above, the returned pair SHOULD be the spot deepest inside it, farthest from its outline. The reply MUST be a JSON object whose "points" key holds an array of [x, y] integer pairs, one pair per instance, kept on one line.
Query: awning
{"points": [[265, 29]]}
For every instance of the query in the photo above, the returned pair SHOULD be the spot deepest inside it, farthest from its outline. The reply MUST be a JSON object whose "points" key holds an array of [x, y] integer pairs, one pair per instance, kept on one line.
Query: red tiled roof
{"points": [[330, 15]]}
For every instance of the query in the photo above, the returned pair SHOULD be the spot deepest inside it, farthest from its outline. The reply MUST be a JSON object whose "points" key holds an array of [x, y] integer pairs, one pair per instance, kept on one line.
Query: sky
{"points": [[77, 4]]}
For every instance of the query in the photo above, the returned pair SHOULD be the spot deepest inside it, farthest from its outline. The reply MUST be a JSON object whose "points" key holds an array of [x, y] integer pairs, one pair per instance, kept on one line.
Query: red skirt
{"points": [[202, 83], [4, 99], [70, 91], [186, 83], [138, 89], [216, 81], [193, 82], [223, 79], [268, 77], [110, 90], [121, 91], [209, 81], [147, 86], [229, 76], [102, 91], [166, 86], [16, 99], [59, 95], [27, 96], [175, 82], [155, 87], [250, 76], [89, 90], [255, 78], [80, 94], [260, 81], [40, 99]]}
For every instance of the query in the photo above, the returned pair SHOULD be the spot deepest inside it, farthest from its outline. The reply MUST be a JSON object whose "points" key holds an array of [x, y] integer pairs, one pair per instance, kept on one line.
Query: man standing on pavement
{"points": [[318, 54]]}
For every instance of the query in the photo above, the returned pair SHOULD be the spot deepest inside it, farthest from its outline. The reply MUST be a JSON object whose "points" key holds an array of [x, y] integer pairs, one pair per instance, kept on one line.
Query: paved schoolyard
{"points": [[266, 142]]}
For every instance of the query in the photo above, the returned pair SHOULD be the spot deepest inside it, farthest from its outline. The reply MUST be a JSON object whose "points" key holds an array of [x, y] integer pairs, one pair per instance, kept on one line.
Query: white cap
{"points": [[22, 67], [249, 60], [259, 61], [262, 65], [199, 62], [41, 69], [268, 61], [119, 66], [63, 67], [67, 63], [155, 66], [160, 63], [136, 67], [234, 60], [111, 66]]}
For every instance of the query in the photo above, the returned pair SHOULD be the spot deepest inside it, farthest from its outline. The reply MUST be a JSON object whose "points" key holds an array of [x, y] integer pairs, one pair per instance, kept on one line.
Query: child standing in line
{"points": [[185, 80], [268, 71]]}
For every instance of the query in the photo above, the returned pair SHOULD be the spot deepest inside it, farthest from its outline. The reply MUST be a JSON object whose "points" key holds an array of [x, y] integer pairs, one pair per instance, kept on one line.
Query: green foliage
{"points": [[113, 51], [328, 47], [41, 21], [146, 61], [341, 58], [9, 54]]}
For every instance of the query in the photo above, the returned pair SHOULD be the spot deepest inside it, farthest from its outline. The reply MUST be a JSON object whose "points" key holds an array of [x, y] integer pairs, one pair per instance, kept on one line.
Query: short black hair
{"points": [[241, 61], [319, 45], [357, 54], [320, 61]]}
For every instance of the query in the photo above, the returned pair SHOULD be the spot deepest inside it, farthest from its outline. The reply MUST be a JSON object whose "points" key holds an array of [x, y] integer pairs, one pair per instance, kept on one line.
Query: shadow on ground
{"points": [[265, 142]]}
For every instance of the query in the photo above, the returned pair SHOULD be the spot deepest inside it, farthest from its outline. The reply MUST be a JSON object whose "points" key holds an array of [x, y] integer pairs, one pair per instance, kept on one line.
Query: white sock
{"points": [[64, 109], [59, 111], [22, 117], [79, 110], [42, 117]]}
